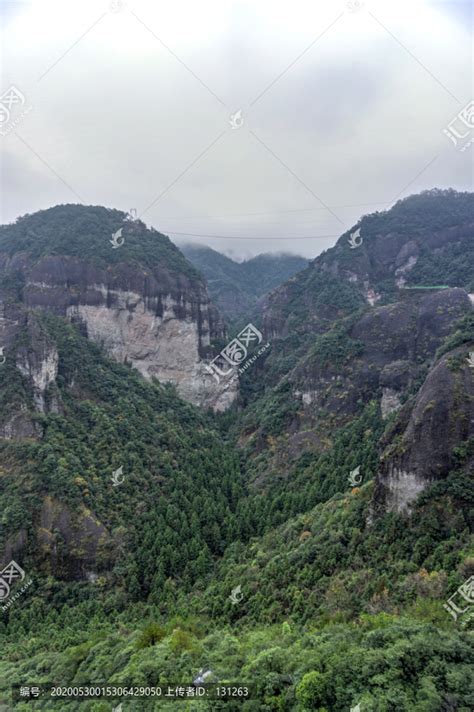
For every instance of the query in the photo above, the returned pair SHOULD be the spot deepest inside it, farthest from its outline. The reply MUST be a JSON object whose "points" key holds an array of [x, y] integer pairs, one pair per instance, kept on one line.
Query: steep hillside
{"points": [[235, 287], [65, 513], [134, 293], [333, 352]]}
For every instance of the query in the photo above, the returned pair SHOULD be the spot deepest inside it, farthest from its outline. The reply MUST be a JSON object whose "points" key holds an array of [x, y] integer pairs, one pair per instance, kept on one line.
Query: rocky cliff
{"points": [[432, 437], [386, 351], [139, 298]]}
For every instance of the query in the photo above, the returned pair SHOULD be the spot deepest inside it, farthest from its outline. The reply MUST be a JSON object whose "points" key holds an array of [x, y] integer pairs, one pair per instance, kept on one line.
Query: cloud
{"points": [[343, 110]]}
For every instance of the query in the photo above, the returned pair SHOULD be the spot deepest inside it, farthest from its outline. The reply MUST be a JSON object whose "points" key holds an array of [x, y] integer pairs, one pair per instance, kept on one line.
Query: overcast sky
{"points": [[252, 119]]}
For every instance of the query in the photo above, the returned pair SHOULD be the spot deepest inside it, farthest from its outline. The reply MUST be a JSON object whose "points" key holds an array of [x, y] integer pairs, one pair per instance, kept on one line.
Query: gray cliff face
{"points": [[38, 363], [159, 322], [34, 357], [394, 341], [423, 441]]}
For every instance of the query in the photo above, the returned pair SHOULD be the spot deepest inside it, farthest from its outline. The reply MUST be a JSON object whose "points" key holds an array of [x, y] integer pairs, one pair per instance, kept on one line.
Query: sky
{"points": [[249, 126]]}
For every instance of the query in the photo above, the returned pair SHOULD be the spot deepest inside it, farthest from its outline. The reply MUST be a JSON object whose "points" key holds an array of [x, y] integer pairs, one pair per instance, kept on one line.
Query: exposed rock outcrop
{"points": [[72, 545], [151, 315], [388, 349], [37, 361], [393, 341], [423, 441]]}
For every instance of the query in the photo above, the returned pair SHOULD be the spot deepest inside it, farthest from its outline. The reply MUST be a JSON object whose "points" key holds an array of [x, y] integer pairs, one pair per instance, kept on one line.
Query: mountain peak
{"points": [[87, 232]]}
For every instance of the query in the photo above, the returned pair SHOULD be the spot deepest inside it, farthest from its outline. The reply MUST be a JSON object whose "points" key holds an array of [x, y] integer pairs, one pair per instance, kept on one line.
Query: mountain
{"points": [[423, 240], [313, 543], [235, 287], [139, 297], [342, 338]]}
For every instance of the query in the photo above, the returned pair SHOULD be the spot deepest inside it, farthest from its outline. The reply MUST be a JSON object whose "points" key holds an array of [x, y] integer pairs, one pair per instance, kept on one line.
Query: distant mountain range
{"points": [[235, 287]]}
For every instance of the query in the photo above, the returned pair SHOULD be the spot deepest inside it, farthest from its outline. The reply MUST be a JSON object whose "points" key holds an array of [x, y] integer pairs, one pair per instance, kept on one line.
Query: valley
{"points": [[296, 528]]}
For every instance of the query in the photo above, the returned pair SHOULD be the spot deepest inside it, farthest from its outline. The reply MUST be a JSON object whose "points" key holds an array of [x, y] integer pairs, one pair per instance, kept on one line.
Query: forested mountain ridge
{"points": [[85, 231], [426, 239], [235, 287], [304, 542]]}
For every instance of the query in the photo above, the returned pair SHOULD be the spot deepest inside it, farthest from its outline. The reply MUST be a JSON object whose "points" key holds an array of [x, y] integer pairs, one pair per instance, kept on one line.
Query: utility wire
{"points": [[270, 212], [246, 237]]}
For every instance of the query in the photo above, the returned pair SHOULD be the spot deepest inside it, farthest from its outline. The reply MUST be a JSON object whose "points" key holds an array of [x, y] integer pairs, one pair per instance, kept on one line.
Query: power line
{"points": [[246, 237], [271, 212]]}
